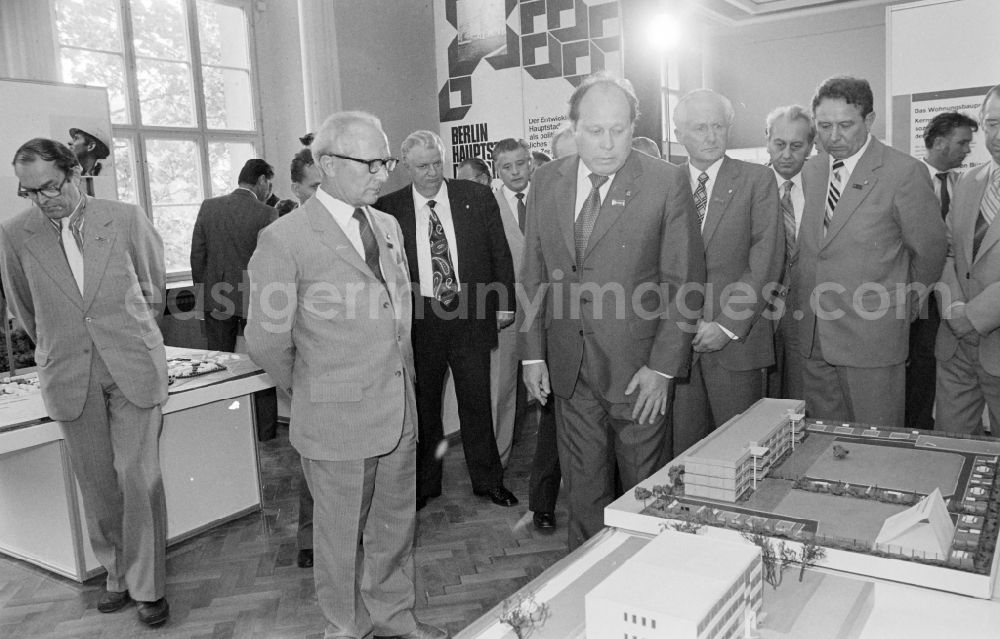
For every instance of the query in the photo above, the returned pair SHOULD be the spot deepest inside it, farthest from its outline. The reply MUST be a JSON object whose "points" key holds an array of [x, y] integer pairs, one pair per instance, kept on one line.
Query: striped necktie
{"points": [[788, 215], [833, 194], [701, 198], [987, 213], [369, 243]]}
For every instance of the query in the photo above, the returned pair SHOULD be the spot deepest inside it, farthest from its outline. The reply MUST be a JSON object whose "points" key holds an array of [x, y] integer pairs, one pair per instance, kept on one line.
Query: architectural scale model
{"points": [[679, 586], [861, 492]]}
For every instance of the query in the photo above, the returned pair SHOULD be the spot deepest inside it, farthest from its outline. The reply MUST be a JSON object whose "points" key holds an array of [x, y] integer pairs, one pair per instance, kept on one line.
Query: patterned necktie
{"points": [[788, 214], [371, 246], [701, 198], [588, 216], [522, 210], [442, 270], [70, 229], [987, 213], [833, 195], [945, 196]]}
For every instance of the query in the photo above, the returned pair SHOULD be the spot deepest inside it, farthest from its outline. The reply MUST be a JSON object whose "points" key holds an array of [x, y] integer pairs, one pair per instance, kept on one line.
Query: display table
{"points": [[208, 454]]}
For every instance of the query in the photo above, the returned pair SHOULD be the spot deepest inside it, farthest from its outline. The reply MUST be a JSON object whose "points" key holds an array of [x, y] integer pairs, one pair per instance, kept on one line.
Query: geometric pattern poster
{"points": [[506, 69]]}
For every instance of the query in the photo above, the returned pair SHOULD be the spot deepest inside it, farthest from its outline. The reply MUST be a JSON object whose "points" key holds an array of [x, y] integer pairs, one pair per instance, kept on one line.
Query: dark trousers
{"points": [[545, 473], [221, 332], [435, 350], [921, 369], [304, 537]]}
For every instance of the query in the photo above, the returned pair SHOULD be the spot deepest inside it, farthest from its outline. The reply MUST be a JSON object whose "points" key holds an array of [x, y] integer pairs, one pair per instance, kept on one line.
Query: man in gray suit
{"points": [[611, 242], [335, 270], [85, 278], [225, 236], [968, 341], [737, 210]]}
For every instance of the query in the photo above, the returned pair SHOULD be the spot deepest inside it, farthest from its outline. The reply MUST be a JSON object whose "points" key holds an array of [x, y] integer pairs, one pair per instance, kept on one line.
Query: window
{"points": [[180, 85]]}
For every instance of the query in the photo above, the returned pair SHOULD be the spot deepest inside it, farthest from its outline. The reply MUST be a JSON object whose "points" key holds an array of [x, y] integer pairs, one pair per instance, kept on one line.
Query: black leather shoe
{"points": [[153, 613], [305, 558], [421, 503], [113, 601], [422, 631], [544, 522], [499, 495]]}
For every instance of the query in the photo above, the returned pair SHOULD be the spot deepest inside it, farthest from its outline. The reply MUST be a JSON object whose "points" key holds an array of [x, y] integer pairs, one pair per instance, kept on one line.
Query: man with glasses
{"points": [[225, 236], [463, 283], [85, 278], [334, 269]]}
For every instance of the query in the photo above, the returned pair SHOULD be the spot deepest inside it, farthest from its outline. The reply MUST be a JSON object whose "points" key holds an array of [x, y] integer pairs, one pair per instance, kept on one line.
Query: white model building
{"points": [[923, 530], [727, 464], [679, 586]]}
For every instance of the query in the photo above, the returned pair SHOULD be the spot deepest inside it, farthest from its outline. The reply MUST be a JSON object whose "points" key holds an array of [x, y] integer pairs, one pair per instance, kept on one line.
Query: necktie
{"points": [[833, 195], [371, 246], [788, 214], [442, 270], [701, 198], [522, 210], [588, 216], [945, 196], [70, 229], [987, 213]]}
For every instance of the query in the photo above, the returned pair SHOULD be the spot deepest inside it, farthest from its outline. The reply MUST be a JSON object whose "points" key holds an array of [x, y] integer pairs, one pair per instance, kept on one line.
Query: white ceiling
{"points": [[733, 12]]}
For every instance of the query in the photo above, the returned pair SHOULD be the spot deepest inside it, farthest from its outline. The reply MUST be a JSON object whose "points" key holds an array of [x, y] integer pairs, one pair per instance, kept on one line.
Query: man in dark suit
{"points": [[611, 242], [871, 244], [947, 138], [225, 236], [463, 285], [790, 132], [741, 228]]}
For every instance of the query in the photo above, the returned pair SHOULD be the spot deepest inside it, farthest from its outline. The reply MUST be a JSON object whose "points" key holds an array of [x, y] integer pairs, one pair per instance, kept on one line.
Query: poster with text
{"points": [[506, 68]]}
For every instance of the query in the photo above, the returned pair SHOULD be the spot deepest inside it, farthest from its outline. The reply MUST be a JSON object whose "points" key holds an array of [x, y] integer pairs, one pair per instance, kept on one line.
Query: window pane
{"points": [[160, 29], [98, 69], [225, 161], [125, 170], [218, 24], [228, 103], [90, 24], [165, 93], [176, 190]]}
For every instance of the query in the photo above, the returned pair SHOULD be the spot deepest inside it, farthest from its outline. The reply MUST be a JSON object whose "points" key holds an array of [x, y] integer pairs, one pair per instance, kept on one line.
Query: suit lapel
{"points": [[968, 223], [566, 203], [99, 235], [622, 190], [722, 193], [333, 236], [857, 187], [43, 243], [461, 219], [389, 270]]}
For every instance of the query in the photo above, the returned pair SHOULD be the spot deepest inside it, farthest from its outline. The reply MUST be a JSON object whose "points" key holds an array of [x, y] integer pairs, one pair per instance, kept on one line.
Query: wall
{"points": [[765, 65]]}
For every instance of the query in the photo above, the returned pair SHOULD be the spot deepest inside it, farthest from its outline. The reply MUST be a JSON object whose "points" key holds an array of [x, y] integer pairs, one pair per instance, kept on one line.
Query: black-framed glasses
{"points": [[48, 191], [374, 166]]}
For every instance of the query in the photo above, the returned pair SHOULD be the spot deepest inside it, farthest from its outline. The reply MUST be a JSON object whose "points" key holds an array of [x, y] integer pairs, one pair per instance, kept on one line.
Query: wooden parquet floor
{"points": [[240, 579]]}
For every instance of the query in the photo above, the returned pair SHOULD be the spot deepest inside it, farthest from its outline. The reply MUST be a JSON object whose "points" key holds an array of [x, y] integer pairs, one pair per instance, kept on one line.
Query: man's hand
{"points": [[709, 338], [958, 322], [652, 399], [504, 319], [536, 379]]}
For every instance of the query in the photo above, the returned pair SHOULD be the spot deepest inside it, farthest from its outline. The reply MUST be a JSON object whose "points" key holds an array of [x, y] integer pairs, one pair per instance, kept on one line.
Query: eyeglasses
{"points": [[49, 191], [374, 166]]}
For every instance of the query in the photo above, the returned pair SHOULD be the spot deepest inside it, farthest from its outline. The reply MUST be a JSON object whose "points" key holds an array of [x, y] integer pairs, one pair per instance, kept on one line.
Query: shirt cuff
{"points": [[505, 314], [663, 374], [728, 332], [951, 307], [525, 362]]}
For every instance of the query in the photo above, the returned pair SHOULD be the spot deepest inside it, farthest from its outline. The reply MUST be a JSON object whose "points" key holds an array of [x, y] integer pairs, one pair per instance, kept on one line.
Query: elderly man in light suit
{"points": [[85, 277], [335, 270], [968, 341]]}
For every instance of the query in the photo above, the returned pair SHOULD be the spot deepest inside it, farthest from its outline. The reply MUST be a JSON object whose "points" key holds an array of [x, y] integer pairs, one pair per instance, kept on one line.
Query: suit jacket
{"points": [[225, 236], [975, 282], [625, 300], [484, 262], [515, 238], [124, 279], [886, 232], [744, 238], [332, 335]]}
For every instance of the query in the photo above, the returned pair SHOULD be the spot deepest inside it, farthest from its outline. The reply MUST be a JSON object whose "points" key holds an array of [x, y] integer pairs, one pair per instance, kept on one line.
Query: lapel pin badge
{"points": [[858, 186], [617, 202]]}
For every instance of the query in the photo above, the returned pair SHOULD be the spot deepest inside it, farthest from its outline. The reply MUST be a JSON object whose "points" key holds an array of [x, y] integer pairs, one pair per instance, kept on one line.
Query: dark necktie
{"points": [[588, 216], [522, 210], [945, 196], [442, 270], [788, 214], [833, 194], [987, 213], [701, 198], [371, 246]]}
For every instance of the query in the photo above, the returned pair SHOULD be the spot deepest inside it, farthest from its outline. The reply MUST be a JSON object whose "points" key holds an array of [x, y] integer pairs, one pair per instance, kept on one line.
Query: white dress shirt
{"points": [[850, 163], [798, 197], [442, 208], [713, 172], [511, 198], [952, 180], [343, 215], [583, 186]]}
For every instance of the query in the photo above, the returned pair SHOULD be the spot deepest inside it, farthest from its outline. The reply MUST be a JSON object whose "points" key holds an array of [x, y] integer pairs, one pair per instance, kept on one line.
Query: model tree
{"points": [[524, 614], [811, 554]]}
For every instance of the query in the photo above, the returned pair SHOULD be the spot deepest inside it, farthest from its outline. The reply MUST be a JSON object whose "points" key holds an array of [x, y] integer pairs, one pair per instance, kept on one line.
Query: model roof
{"points": [[754, 425]]}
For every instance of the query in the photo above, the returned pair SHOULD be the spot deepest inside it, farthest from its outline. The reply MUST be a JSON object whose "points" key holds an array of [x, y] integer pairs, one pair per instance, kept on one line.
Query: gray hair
{"points": [[791, 112], [680, 111], [424, 138], [339, 129]]}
